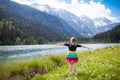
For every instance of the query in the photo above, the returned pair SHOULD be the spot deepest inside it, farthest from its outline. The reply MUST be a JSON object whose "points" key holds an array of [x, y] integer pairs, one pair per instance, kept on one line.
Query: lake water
{"points": [[19, 52]]}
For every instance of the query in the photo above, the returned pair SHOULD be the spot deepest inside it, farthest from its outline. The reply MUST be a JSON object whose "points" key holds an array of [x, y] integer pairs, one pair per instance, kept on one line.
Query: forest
{"points": [[111, 36]]}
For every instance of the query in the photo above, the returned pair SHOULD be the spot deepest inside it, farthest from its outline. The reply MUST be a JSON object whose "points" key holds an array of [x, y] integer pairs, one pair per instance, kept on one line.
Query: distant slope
{"points": [[83, 25], [109, 36], [26, 30], [50, 21]]}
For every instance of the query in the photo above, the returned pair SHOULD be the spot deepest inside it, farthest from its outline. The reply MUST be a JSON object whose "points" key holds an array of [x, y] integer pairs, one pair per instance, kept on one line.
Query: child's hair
{"points": [[73, 40]]}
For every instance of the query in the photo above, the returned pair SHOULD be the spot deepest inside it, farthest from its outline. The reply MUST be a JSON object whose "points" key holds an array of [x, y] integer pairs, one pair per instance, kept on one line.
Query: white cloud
{"points": [[91, 9], [74, 2]]}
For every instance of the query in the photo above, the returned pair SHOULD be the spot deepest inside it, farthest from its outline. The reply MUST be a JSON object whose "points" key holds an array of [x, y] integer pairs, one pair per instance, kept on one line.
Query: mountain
{"points": [[84, 25], [42, 23], [109, 36], [14, 27], [50, 21], [104, 24], [84, 28], [90, 24]]}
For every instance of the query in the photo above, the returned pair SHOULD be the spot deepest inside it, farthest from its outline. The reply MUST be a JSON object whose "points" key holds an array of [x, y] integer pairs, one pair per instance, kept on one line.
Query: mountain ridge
{"points": [[50, 21], [27, 31], [83, 25], [109, 36], [35, 26]]}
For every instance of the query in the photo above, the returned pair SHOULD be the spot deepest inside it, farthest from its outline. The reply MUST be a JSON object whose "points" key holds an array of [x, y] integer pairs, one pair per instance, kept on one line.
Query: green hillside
{"points": [[110, 36], [15, 29], [101, 64]]}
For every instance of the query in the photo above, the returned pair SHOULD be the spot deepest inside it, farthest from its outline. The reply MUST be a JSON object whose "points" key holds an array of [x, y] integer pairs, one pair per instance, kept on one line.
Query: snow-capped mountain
{"points": [[83, 25], [49, 21], [104, 24], [99, 22], [90, 24]]}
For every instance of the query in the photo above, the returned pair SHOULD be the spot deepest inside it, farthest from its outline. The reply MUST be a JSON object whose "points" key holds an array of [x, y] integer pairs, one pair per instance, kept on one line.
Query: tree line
{"points": [[10, 35], [111, 36]]}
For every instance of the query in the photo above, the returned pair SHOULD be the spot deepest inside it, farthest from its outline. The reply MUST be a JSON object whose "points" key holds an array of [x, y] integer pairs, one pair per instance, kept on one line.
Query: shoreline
{"points": [[20, 52], [56, 43]]}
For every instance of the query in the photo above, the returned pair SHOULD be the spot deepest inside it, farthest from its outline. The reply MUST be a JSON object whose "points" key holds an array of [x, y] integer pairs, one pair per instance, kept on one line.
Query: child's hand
{"points": [[91, 48], [60, 44], [88, 48]]}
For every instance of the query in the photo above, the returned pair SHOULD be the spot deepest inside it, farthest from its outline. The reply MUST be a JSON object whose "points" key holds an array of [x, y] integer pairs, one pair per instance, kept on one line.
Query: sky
{"points": [[92, 8]]}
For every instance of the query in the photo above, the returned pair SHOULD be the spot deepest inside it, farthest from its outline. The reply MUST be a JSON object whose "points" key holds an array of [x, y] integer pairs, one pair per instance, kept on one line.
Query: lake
{"points": [[20, 52]]}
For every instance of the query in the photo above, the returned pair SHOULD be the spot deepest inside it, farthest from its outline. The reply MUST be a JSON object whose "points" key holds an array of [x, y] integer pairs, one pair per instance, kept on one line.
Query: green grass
{"points": [[101, 64]]}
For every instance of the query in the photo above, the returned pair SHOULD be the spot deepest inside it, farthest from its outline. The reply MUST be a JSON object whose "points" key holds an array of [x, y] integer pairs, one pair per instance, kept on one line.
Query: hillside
{"points": [[59, 20], [28, 31], [101, 64], [109, 36], [84, 25], [49, 21]]}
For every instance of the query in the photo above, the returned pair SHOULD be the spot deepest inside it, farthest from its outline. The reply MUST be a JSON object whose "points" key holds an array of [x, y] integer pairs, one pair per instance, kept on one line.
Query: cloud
{"points": [[91, 9]]}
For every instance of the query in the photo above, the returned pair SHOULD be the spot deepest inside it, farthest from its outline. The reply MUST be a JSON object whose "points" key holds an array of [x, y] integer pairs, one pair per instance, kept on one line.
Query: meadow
{"points": [[100, 64]]}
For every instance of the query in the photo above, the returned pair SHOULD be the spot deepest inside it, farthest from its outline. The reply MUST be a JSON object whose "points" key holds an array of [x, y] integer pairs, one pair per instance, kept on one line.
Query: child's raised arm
{"points": [[60, 44], [85, 47]]}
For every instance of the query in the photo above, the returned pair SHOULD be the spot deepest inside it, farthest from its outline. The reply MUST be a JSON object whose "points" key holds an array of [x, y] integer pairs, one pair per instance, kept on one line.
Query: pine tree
{"points": [[18, 41]]}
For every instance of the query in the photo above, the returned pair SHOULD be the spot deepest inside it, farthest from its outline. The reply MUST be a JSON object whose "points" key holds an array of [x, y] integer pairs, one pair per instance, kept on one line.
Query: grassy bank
{"points": [[101, 64]]}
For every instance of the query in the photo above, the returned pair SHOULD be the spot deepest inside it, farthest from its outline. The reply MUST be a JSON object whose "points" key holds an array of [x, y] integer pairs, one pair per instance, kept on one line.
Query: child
{"points": [[72, 57]]}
